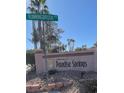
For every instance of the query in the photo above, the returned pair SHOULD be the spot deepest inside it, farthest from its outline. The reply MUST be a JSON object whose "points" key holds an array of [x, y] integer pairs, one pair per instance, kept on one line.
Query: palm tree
{"points": [[35, 38], [63, 47], [71, 44], [73, 41], [38, 6], [95, 44], [84, 46], [48, 31]]}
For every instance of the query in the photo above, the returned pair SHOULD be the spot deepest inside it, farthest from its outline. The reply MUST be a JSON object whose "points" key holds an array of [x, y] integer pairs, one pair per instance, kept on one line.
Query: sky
{"points": [[78, 19]]}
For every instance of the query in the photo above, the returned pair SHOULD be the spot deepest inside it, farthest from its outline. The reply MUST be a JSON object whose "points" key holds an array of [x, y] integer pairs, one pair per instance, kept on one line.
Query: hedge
{"points": [[30, 58]]}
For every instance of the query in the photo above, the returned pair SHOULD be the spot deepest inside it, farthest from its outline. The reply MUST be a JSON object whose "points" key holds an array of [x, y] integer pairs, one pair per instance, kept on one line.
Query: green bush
{"points": [[30, 58], [78, 49], [91, 86]]}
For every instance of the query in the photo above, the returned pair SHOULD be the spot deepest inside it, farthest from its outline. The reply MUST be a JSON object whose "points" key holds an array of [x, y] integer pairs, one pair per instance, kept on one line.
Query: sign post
{"points": [[42, 17]]}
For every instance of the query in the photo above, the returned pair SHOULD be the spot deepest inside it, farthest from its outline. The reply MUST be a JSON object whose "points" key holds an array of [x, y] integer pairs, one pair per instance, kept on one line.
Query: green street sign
{"points": [[42, 17]]}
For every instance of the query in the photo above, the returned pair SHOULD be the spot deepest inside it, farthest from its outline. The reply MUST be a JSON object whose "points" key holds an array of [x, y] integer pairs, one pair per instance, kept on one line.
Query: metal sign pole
{"points": [[44, 48]]}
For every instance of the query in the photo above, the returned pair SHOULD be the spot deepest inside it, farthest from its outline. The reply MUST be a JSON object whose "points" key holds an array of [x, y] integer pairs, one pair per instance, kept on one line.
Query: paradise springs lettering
{"points": [[71, 64]]}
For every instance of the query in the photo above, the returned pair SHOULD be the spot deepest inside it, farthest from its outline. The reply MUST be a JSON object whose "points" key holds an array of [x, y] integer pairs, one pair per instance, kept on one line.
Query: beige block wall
{"points": [[90, 59], [40, 66]]}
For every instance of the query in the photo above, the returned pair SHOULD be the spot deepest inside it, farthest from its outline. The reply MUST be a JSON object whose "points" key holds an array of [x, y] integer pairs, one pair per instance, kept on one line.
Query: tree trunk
{"points": [[40, 34], [35, 42], [35, 45]]}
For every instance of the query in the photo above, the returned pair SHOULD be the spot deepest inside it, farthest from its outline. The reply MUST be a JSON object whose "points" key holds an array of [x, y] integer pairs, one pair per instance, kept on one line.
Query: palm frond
{"points": [[42, 1], [45, 6], [34, 3], [32, 9]]}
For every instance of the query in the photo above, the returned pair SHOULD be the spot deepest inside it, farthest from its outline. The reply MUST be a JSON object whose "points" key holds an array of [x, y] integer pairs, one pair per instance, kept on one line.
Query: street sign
{"points": [[42, 17]]}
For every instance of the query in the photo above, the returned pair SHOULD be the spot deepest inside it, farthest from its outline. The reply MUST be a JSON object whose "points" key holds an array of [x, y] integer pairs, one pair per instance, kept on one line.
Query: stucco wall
{"points": [[89, 56]]}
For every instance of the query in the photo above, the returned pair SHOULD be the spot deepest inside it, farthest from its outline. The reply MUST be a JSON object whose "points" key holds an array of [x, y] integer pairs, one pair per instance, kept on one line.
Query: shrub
{"points": [[78, 49], [30, 58], [90, 86], [51, 72], [82, 74]]}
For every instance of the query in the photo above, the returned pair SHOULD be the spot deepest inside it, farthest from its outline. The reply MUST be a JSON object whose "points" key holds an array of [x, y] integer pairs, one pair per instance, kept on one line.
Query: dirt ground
{"points": [[79, 80]]}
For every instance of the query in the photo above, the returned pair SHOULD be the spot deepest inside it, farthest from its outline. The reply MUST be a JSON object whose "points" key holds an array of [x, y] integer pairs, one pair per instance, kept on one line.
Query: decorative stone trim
{"points": [[37, 87], [33, 88], [69, 54]]}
